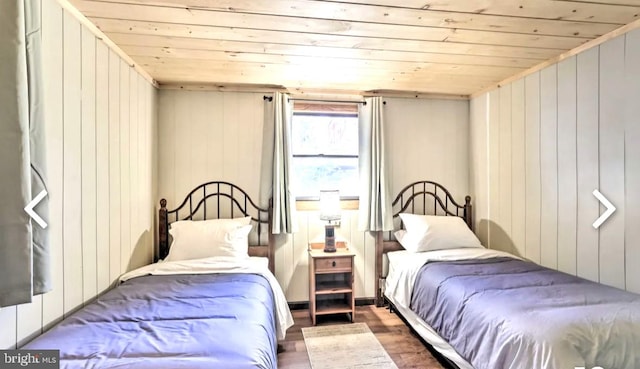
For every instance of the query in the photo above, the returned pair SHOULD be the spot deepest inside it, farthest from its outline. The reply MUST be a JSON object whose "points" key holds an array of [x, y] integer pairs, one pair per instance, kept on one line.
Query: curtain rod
{"points": [[270, 98], [331, 101]]}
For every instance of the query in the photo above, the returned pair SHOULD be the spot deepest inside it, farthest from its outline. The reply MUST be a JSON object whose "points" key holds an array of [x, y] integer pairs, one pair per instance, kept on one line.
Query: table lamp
{"points": [[329, 211]]}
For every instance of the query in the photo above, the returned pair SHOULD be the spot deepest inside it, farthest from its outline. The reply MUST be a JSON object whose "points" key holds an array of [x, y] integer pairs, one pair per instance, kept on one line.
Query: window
{"points": [[325, 153]]}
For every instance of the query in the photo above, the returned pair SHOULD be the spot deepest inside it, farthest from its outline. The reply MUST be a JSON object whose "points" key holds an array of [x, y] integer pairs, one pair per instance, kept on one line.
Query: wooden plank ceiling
{"points": [[441, 46]]}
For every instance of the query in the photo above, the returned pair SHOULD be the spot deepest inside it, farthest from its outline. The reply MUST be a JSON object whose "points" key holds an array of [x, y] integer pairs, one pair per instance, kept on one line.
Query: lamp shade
{"points": [[329, 205]]}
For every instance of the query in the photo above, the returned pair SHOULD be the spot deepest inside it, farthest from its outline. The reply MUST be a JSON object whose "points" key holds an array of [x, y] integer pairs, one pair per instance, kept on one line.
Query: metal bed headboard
{"points": [[230, 202], [413, 199], [421, 197]]}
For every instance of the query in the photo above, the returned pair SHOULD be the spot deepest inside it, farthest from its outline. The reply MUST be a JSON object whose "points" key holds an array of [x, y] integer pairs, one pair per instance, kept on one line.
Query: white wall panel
{"points": [[72, 172], [134, 171], [370, 259], [438, 131], [232, 112], [166, 147], [88, 85], [632, 161], [102, 166], [145, 246], [612, 82], [242, 165], [8, 338], [82, 105], [567, 166], [53, 302], [185, 176], [532, 170], [495, 232], [299, 262], [198, 148], [115, 260], [581, 133], [518, 171], [154, 151], [587, 262], [549, 167], [479, 186], [125, 174], [504, 199], [29, 319], [214, 110]]}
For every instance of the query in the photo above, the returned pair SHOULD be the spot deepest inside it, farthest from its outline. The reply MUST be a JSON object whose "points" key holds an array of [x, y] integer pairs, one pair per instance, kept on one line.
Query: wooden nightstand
{"points": [[331, 282]]}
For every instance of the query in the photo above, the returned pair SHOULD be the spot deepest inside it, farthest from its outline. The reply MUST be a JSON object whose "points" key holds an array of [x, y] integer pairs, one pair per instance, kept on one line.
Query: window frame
{"points": [[310, 202]]}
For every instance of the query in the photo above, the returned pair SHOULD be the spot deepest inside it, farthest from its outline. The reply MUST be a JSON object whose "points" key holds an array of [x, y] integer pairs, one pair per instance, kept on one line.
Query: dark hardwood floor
{"points": [[404, 347]]}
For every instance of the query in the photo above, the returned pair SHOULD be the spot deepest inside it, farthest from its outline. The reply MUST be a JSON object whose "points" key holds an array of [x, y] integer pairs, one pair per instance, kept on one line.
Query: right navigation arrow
{"points": [[607, 213]]}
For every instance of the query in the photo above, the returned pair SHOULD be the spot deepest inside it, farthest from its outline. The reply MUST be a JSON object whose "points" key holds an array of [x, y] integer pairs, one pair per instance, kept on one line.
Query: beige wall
{"points": [[100, 137], [218, 136], [542, 144], [429, 140]]}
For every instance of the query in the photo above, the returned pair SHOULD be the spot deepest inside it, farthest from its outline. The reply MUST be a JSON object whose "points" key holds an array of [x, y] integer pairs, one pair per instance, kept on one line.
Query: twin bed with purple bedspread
{"points": [[486, 309], [225, 310], [511, 313], [170, 322]]}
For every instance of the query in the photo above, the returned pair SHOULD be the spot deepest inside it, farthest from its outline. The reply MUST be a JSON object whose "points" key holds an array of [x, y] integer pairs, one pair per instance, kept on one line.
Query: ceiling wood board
{"points": [[379, 44], [358, 30], [581, 11], [286, 13], [364, 57], [328, 68], [607, 2], [442, 46]]}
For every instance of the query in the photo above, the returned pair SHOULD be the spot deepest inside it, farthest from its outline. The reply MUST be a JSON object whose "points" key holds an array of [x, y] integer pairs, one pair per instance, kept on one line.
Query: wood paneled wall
{"points": [[542, 144], [429, 139], [100, 137], [218, 135]]}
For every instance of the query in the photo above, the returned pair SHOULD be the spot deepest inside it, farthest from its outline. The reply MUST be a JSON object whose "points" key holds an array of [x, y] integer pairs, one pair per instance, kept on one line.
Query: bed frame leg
{"points": [[379, 302], [380, 292]]}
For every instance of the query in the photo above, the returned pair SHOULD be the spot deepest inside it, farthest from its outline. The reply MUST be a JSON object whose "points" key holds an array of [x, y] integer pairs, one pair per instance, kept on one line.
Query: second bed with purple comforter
{"points": [[510, 313], [172, 321]]}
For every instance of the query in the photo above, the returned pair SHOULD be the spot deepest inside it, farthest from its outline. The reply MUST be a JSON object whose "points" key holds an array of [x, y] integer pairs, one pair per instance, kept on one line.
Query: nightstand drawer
{"points": [[333, 265]]}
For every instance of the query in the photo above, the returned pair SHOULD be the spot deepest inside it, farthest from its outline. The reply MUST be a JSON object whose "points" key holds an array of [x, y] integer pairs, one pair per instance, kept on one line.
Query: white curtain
{"points": [[24, 252], [276, 163], [375, 203]]}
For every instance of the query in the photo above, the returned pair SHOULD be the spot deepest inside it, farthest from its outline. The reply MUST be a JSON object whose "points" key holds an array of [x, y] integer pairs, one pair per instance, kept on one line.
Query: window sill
{"points": [[345, 204]]}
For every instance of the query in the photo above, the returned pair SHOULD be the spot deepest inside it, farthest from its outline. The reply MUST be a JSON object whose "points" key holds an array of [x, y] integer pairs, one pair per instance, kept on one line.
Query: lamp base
{"points": [[329, 238]]}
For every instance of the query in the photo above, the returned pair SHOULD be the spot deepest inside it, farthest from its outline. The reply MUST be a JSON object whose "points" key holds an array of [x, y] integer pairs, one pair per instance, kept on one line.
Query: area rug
{"points": [[345, 346]]}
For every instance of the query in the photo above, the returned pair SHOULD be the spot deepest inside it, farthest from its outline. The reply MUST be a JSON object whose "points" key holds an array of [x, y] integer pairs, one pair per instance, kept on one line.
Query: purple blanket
{"points": [[203, 321], [507, 313]]}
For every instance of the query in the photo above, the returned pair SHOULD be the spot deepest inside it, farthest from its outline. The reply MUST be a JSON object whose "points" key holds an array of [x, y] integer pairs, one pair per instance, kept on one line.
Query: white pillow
{"points": [[205, 238], [431, 232]]}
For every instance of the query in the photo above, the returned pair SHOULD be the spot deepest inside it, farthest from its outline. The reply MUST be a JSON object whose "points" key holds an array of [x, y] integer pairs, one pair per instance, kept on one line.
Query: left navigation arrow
{"points": [[29, 209]]}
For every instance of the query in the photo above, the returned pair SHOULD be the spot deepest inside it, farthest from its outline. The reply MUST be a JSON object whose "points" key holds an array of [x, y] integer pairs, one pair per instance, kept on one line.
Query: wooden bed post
{"points": [[468, 212], [163, 236], [378, 269]]}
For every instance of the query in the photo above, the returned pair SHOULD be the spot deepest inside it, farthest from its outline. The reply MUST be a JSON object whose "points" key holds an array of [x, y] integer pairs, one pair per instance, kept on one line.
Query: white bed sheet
{"points": [[225, 264]]}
